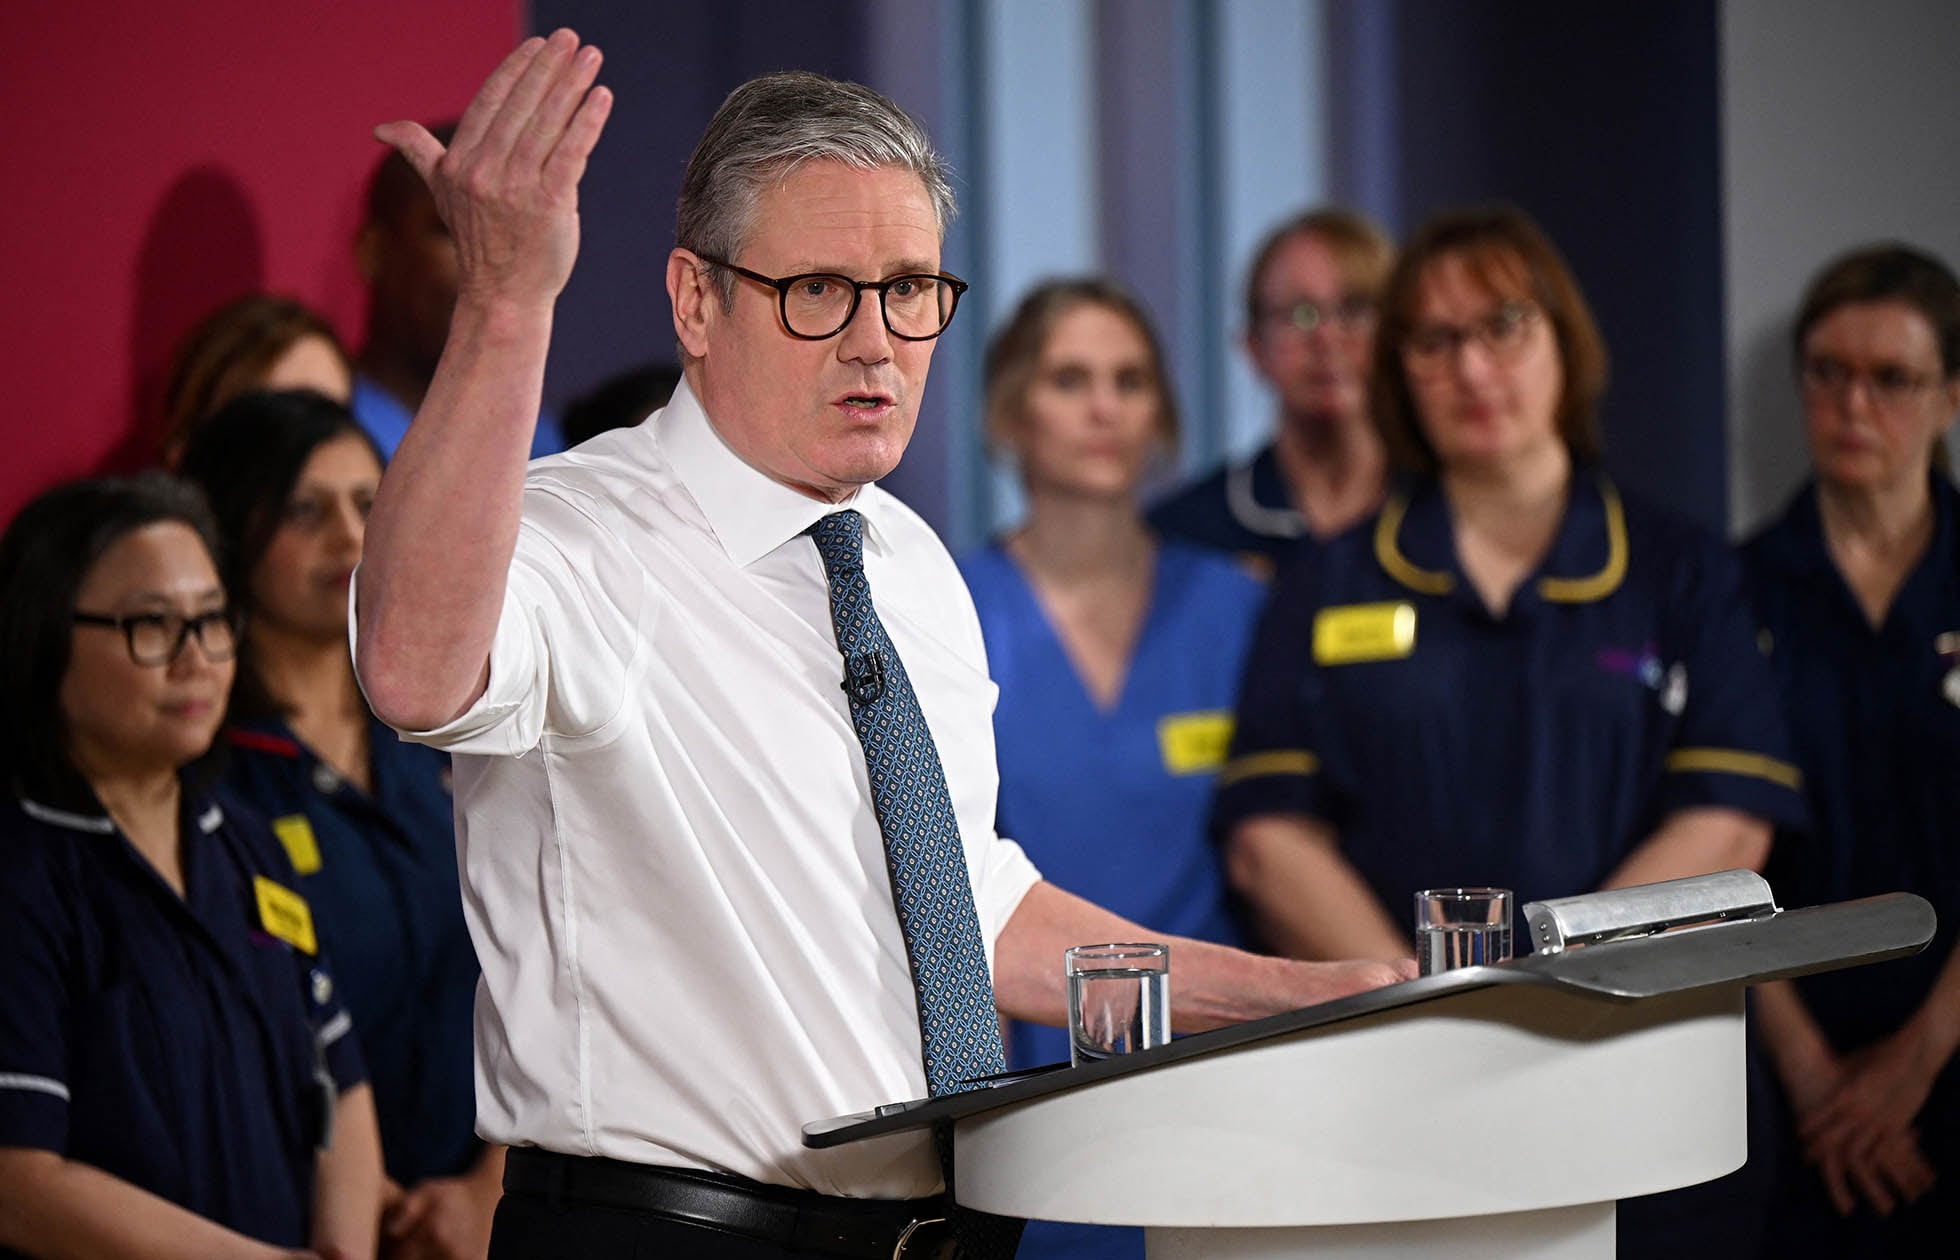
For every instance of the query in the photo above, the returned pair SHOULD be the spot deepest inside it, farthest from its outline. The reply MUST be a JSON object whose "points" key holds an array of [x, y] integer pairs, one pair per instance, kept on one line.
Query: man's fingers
{"points": [[413, 141], [566, 166], [495, 91], [520, 107], [562, 98]]}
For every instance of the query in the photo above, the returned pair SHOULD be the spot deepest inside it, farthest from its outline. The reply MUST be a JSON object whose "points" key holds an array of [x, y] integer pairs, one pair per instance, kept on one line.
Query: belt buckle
{"points": [[943, 1251]]}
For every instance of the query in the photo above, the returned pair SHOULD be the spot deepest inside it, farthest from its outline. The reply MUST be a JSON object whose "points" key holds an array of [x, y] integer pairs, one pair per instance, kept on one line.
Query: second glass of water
{"points": [[1119, 999], [1462, 927]]}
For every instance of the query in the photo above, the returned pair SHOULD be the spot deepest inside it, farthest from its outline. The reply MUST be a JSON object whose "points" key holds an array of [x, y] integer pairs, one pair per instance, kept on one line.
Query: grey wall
{"points": [[1840, 126]]}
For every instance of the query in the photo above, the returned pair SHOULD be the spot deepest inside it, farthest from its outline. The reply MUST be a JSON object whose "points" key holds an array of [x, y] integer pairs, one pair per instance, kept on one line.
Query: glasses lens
{"points": [[919, 306], [153, 638], [217, 636], [818, 305]]}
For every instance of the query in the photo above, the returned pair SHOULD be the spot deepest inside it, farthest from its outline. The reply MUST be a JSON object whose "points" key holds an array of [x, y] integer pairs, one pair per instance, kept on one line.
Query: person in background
{"points": [[258, 342], [619, 401], [177, 1077], [1310, 312], [408, 261], [1516, 676], [366, 818], [1116, 653], [1858, 584]]}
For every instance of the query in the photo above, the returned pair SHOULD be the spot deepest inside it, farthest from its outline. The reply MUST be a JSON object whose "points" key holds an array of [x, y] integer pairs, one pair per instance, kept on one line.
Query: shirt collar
{"points": [[750, 513], [1415, 544], [208, 816]]}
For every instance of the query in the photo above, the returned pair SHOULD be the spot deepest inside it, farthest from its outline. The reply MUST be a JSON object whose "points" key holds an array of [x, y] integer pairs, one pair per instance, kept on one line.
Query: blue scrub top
{"points": [[1875, 717], [174, 1042], [1243, 508], [1531, 751], [386, 421], [382, 869], [1111, 805]]}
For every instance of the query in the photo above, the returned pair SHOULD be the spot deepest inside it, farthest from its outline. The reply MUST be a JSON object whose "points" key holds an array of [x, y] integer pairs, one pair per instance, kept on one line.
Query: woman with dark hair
{"points": [[259, 342], [366, 818], [1115, 651], [1858, 583], [176, 1077], [1516, 676]]}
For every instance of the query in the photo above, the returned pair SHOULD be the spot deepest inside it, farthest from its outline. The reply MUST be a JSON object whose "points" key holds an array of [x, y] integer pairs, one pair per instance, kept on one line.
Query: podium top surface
{"points": [[1779, 946]]}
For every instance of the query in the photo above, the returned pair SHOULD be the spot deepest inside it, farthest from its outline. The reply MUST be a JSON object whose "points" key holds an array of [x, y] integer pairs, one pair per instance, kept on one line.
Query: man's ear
{"points": [[696, 301]]}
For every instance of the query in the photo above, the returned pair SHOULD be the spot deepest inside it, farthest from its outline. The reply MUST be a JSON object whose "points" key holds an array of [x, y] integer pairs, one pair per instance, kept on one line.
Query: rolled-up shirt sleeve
{"points": [[1274, 766], [36, 940], [1730, 747], [567, 636]]}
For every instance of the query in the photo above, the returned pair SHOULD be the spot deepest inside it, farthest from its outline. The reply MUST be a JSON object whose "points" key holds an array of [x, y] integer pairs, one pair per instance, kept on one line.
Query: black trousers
{"points": [[529, 1228]]}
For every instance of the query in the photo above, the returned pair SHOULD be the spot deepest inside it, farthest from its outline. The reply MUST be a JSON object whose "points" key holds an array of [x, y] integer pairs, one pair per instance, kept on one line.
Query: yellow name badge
{"points": [[1194, 743], [1354, 633], [301, 847], [284, 915]]}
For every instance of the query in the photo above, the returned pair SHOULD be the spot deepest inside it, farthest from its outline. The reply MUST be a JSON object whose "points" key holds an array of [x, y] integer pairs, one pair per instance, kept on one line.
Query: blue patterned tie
{"points": [[958, 1026]]}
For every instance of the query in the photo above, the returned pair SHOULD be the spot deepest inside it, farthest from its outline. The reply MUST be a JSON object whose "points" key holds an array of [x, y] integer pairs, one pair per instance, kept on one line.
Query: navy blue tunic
{"points": [[1531, 751], [1875, 716], [382, 869], [1243, 508], [175, 1043]]}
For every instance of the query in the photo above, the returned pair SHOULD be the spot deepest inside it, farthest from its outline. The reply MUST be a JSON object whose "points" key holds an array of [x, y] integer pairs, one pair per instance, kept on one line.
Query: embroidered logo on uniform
{"points": [[1669, 683], [1194, 743], [1354, 633], [285, 915], [296, 833]]}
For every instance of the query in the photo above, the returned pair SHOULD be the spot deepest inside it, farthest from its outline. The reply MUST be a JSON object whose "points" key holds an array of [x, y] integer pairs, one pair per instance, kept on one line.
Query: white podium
{"points": [[1483, 1113]]}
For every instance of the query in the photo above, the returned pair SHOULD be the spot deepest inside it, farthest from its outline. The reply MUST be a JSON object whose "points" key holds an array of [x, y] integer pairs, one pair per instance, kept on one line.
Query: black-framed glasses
{"points": [[1889, 385], [817, 305], [1349, 313], [158, 638], [1504, 333]]}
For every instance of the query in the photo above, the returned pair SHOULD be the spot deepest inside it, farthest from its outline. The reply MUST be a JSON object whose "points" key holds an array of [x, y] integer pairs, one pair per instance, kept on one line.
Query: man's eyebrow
{"points": [[903, 267]]}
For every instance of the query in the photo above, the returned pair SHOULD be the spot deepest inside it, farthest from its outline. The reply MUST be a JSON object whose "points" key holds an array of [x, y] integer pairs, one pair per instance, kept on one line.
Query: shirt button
{"points": [[324, 779]]}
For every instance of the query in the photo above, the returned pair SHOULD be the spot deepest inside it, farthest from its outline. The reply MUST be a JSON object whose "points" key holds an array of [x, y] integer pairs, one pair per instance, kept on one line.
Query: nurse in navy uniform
{"points": [[366, 818], [1859, 587], [177, 1074], [1516, 674]]}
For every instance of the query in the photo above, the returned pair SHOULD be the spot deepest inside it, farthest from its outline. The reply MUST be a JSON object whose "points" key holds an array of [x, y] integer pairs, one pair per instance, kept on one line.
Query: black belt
{"points": [[797, 1220]]}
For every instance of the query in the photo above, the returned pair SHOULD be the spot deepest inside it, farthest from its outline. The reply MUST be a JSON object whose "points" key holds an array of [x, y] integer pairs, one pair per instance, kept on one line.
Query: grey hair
{"points": [[770, 126]]}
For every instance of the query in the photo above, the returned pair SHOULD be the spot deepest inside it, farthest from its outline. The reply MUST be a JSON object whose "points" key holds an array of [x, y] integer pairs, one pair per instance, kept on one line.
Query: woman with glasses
{"points": [[1517, 676], [177, 1076], [1116, 652], [365, 817], [1311, 300], [1859, 587]]}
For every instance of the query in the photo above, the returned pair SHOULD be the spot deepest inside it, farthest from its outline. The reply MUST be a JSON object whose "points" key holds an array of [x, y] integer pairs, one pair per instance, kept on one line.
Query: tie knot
{"points": [[840, 540]]}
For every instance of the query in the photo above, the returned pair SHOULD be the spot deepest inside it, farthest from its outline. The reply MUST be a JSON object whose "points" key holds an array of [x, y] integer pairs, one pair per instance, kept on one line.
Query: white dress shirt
{"points": [[671, 867]]}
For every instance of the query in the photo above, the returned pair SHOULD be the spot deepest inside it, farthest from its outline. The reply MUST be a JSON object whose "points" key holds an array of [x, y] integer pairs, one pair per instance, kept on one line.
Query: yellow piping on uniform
{"points": [[1260, 765], [1389, 555], [1603, 583], [1733, 761]]}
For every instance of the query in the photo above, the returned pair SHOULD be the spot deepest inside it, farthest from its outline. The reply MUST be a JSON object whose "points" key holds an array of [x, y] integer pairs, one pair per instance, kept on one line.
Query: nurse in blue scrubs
{"points": [[1116, 652], [365, 818], [1516, 675], [178, 1076], [1859, 587]]}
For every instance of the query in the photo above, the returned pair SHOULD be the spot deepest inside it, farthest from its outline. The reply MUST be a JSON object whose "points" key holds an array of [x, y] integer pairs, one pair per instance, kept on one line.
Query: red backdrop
{"points": [[165, 156]]}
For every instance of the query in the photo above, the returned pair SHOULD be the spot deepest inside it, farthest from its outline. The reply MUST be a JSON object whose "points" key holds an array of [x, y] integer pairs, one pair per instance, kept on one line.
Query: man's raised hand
{"points": [[507, 185]]}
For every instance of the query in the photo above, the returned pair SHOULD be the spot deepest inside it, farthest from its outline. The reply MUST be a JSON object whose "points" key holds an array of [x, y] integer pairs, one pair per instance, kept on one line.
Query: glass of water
{"points": [[1119, 999], [1462, 927]]}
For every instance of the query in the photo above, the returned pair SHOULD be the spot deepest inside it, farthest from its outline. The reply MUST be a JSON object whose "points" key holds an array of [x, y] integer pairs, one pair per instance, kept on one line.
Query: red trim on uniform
{"points": [[260, 741]]}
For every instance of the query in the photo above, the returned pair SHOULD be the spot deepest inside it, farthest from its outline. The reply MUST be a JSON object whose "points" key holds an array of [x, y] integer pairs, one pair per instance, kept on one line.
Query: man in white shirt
{"points": [[675, 875]]}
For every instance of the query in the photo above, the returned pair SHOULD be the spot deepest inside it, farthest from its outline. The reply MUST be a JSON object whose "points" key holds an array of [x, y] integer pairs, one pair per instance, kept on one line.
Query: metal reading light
{"points": [[1647, 909]]}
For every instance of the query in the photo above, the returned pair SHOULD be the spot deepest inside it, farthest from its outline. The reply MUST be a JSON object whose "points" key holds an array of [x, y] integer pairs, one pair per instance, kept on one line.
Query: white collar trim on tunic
{"points": [[750, 513]]}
